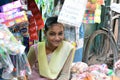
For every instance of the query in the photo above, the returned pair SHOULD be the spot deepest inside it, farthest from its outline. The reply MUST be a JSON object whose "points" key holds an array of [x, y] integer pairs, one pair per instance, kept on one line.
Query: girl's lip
{"points": [[57, 42]]}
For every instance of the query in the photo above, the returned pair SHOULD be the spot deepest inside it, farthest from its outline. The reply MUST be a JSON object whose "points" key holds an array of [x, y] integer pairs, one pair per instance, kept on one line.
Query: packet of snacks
{"points": [[79, 67], [9, 42], [14, 19], [11, 6]]}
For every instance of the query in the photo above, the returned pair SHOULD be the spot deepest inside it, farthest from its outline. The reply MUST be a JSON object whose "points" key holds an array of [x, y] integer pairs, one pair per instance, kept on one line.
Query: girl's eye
{"points": [[52, 34], [61, 33]]}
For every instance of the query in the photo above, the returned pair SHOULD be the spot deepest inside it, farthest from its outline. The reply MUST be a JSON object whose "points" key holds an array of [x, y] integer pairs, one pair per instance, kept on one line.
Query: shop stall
{"points": [[22, 25]]}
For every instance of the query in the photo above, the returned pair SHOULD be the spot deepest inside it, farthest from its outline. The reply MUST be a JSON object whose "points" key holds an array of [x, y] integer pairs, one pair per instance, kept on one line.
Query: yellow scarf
{"points": [[57, 61]]}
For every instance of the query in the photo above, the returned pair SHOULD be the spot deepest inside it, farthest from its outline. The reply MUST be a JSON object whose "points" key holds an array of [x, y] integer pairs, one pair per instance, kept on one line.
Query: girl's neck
{"points": [[49, 49]]}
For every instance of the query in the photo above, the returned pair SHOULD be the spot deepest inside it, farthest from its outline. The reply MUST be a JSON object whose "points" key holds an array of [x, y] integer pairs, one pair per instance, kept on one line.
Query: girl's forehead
{"points": [[58, 25]]}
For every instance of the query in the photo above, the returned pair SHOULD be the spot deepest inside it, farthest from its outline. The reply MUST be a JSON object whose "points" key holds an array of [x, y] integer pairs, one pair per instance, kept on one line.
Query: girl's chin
{"points": [[56, 45]]}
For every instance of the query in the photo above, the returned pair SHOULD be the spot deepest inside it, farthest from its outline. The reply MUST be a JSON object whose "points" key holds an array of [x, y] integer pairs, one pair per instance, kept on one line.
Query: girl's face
{"points": [[55, 35]]}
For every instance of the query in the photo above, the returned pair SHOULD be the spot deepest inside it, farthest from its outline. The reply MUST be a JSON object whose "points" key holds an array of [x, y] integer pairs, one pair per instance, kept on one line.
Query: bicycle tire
{"points": [[91, 40]]}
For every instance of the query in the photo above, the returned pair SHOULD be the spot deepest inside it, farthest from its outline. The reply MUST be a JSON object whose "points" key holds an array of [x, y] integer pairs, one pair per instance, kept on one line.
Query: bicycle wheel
{"points": [[105, 51]]}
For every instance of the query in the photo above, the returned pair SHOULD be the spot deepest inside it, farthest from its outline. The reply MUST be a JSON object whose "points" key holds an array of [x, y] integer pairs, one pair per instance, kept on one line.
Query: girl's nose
{"points": [[57, 37]]}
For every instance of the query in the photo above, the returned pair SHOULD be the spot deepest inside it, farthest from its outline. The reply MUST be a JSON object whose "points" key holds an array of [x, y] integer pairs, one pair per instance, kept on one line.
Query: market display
{"points": [[81, 71], [20, 24], [13, 27], [10, 46]]}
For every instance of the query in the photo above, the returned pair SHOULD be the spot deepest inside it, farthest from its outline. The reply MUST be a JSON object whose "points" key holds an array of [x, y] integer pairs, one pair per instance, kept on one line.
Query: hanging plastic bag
{"points": [[9, 42], [22, 65], [6, 64]]}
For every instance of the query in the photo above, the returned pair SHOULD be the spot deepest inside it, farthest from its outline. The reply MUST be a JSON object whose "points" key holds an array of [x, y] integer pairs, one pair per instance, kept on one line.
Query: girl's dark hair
{"points": [[50, 21]]}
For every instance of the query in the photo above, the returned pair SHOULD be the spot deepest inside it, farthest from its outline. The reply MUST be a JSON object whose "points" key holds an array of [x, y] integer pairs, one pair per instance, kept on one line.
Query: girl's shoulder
{"points": [[37, 44]]}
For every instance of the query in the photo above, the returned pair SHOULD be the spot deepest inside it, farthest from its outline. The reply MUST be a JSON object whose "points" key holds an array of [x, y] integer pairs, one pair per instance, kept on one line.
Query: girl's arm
{"points": [[31, 56]]}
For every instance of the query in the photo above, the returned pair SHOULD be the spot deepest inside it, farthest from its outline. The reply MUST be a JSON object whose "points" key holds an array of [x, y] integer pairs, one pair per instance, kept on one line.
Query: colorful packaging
{"points": [[9, 42], [16, 18], [10, 6]]}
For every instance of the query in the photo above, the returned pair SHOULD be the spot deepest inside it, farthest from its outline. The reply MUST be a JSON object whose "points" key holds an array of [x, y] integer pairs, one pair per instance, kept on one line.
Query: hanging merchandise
{"points": [[38, 2], [6, 63], [88, 17], [80, 32], [101, 2], [18, 36], [26, 43], [10, 6], [24, 4], [11, 46], [22, 65], [89, 13], [97, 18], [57, 8], [35, 20], [75, 35], [13, 19], [11, 16], [33, 30], [69, 32], [93, 12], [7, 41], [80, 36], [47, 8], [20, 32], [72, 15]]}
